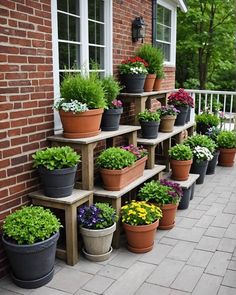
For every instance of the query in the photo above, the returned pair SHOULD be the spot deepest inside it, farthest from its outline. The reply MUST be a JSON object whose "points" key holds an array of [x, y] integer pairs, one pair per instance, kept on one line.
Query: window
{"points": [[164, 29]]}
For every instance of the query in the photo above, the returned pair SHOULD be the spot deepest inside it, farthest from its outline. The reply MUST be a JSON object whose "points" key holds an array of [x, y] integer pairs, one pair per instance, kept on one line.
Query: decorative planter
{"points": [[192, 191], [167, 123], [140, 238], [111, 119], [226, 157], [115, 180], [32, 266], [97, 242], [180, 169], [133, 83], [184, 202], [149, 82], [181, 117], [199, 168], [149, 129], [58, 183], [168, 219], [212, 163], [81, 125], [157, 84], [188, 115]]}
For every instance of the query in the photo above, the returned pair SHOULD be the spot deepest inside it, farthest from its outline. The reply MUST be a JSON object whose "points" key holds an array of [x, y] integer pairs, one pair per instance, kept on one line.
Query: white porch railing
{"points": [[208, 99]]}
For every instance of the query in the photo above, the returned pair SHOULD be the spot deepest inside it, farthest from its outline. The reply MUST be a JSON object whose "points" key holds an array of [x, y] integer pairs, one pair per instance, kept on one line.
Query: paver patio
{"points": [[198, 256]]}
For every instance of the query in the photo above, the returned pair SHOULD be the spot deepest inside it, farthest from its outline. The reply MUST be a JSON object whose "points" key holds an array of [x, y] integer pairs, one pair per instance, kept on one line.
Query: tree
{"points": [[205, 46]]}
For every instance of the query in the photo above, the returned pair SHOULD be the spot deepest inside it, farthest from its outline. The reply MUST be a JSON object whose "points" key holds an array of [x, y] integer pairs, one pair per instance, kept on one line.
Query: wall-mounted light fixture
{"points": [[138, 29]]}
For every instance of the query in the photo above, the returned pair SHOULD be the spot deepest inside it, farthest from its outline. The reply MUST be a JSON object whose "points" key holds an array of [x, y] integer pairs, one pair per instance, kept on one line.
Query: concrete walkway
{"points": [[197, 257]]}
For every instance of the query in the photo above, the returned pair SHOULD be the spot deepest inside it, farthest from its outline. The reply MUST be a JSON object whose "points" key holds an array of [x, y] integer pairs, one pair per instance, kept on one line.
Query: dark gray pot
{"points": [[32, 266], [149, 129], [111, 119], [192, 191], [58, 183], [199, 168], [184, 202], [212, 164], [133, 83], [181, 117], [188, 115]]}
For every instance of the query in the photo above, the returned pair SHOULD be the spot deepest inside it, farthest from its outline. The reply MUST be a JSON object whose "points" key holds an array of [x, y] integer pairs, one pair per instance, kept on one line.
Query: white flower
{"points": [[72, 106], [202, 154]]}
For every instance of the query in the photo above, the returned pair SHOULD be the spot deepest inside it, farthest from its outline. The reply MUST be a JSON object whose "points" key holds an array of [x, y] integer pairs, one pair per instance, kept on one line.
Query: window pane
{"points": [[96, 10], [167, 34], [62, 20], [62, 5], [74, 56], [96, 54], [74, 33], [160, 14], [167, 17], [160, 32], [69, 56], [71, 6], [96, 33], [63, 56], [165, 48]]}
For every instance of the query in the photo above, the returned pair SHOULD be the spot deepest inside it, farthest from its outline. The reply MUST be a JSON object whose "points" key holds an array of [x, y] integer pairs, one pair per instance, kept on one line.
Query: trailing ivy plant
{"points": [[181, 152]]}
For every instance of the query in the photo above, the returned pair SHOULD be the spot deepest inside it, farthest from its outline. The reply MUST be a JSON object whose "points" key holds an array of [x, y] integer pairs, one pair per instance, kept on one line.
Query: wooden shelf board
{"points": [[184, 184], [144, 94]]}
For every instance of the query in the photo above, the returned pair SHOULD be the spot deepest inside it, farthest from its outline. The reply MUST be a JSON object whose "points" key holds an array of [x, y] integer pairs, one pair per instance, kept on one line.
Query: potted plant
{"points": [[113, 111], [140, 221], [97, 225], [168, 115], [205, 121], [180, 161], [81, 105], [30, 237], [182, 101], [227, 143], [133, 73], [164, 196], [57, 168], [212, 133], [119, 166], [149, 121]]}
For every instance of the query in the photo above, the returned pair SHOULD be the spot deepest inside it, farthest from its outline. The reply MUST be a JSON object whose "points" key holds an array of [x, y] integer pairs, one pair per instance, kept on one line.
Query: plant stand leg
{"points": [[132, 138], [166, 147], [116, 204], [87, 152], [151, 156], [140, 105], [71, 234]]}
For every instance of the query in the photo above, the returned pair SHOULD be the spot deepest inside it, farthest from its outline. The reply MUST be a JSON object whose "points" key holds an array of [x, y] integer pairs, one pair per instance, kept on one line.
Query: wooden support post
{"points": [[140, 105], [87, 152], [116, 204], [151, 156], [166, 147], [132, 138], [71, 234]]}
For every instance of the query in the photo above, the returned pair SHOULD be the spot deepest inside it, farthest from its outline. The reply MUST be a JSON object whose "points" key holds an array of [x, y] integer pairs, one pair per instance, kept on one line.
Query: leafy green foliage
{"points": [[207, 119], [227, 139], [30, 225], [148, 115], [180, 152], [115, 158], [154, 57], [201, 140], [85, 89], [56, 158], [111, 89]]}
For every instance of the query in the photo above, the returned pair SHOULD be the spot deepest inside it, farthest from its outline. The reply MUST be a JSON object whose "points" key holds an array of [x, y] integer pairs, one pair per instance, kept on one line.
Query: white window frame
{"points": [[173, 8], [84, 52]]}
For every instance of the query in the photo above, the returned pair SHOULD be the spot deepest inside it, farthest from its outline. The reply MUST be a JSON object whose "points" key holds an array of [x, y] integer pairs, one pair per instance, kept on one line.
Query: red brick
{"points": [[19, 123], [17, 59], [23, 177], [3, 116], [4, 12], [11, 152], [33, 4], [7, 182], [6, 106], [21, 42], [19, 140], [15, 76], [9, 90], [25, 9], [4, 125], [9, 49], [28, 51], [3, 21], [3, 193], [18, 15], [30, 147], [39, 95], [28, 129], [39, 111], [36, 20], [36, 60], [36, 137], [9, 68], [14, 132], [44, 29], [8, 4], [26, 89], [19, 97], [4, 163], [21, 114], [4, 144], [45, 126], [3, 58], [27, 26], [38, 43], [14, 171], [11, 204], [3, 135], [35, 120], [28, 68]]}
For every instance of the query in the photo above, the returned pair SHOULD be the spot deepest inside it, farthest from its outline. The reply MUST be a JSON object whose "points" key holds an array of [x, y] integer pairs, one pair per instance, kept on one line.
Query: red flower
{"points": [[180, 98]]}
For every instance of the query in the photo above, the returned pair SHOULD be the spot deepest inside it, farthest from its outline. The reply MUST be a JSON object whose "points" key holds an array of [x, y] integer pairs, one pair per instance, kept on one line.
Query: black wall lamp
{"points": [[138, 29]]}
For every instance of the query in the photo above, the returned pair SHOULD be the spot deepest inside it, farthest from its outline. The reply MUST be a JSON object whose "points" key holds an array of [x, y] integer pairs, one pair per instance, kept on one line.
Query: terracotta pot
{"points": [[180, 169], [168, 219], [149, 82], [115, 180], [226, 157], [80, 125], [167, 123], [140, 238], [157, 84]]}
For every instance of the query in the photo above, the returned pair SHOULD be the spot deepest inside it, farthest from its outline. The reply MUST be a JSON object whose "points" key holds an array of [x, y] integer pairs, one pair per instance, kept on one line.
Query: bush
{"points": [[148, 115], [207, 119], [30, 225], [180, 152], [111, 89], [201, 140], [227, 140], [56, 158], [97, 216]]}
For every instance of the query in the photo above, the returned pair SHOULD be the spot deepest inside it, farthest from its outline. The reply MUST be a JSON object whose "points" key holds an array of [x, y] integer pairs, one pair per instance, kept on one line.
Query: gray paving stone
{"points": [[215, 209], [160, 234], [232, 265], [217, 232], [208, 201], [150, 289], [83, 292], [168, 241], [7, 292], [234, 219], [166, 272], [158, 253], [218, 263], [187, 222], [85, 265], [98, 284], [48, 291], [111, 271], [203, 207], [204, 221], [131, 280], [227, 245], [230, 279], [222, 200], [196, 214], [124, 258], [182, 251], [222, 220], [69, 280], [208, 284], [187, 278], [226, 291], [177, 292], [208, 244], [200, 258], [7, 284], [231, 232], [191, 235]]}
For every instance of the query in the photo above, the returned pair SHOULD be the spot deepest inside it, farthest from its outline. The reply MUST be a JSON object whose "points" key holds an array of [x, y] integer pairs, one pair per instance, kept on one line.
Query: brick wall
{"points": [[26, 96]]}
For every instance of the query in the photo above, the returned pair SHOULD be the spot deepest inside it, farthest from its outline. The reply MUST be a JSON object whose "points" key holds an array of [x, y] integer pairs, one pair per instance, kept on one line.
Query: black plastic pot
{"points": [[133, 83], [212, 164], [149, 129], [199, 168], [111, 119], [202, 128], [192, 191], [188, 115], [32, 266], [184, 202], [58, 183], [181, 117]]}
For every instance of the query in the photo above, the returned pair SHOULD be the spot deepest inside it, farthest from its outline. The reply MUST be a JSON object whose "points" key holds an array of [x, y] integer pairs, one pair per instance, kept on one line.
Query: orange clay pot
{"points": [[140, 238], [85, 124], [226, 157], [157, 84], [149, 82], [180, 169], [168, 219], [115, 180]]}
